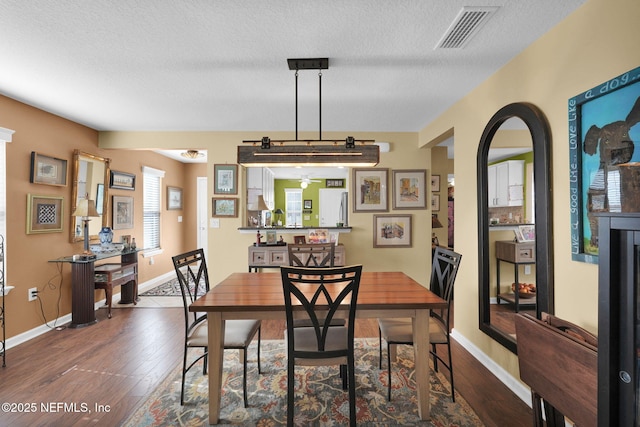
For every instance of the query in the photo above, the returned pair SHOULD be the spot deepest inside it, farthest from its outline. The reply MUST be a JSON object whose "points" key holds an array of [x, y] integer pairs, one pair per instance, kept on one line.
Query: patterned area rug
{"points": [[170, 289], [320, 400]]}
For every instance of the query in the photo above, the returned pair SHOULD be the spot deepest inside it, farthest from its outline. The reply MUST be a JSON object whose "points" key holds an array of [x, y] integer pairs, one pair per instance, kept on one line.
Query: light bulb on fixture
{"points": [[304, 184]]}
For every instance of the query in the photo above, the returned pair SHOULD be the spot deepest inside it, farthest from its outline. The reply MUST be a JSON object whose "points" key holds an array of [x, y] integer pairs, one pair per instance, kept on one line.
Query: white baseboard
{"points": [[520, 390], [42, 329]]}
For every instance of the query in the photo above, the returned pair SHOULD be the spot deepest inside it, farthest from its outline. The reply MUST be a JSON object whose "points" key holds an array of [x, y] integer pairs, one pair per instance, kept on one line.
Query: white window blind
{"points": [[152, 183], [293, 202]]}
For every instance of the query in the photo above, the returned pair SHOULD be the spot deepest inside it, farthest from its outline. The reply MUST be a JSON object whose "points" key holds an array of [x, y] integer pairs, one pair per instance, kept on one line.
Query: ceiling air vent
{"points": [[469, 20]]}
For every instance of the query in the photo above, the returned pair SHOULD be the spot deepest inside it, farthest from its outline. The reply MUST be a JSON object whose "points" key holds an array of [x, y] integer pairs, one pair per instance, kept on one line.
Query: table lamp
{"points": [[86, 209], [279, 213]]}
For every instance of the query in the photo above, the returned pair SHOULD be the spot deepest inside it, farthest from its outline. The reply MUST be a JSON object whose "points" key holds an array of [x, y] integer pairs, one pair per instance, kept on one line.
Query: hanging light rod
{"points": [[308, 64]]}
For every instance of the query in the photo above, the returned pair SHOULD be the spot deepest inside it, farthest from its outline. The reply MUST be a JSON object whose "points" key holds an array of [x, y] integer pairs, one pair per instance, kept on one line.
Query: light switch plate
{"points": [[215, 223]]}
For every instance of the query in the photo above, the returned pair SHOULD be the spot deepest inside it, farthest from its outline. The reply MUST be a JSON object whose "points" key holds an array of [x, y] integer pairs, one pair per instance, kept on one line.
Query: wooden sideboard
{"points": [[274, 256]]}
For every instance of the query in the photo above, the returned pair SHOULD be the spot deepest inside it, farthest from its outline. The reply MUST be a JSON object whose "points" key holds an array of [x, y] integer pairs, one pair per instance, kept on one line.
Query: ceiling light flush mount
{"points": [[319, 152], [192, 154]]}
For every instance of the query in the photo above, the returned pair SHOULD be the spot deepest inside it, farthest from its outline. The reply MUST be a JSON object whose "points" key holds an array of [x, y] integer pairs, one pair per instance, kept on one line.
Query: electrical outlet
{"points": [[33, 294], [527, 269]]}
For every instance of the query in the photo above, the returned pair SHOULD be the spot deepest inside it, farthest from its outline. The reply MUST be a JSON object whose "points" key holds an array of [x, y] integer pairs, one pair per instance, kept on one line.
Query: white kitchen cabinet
{"points": [[506, 183], [260, 181]]}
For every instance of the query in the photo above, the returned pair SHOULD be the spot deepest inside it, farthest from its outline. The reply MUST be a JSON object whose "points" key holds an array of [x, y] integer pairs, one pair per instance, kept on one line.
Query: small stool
{"points": [[107, 276]]}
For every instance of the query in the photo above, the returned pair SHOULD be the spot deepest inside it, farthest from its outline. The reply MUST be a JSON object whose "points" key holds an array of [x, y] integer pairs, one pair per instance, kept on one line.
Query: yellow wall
{"points": [[28, 255], [594, 44]]}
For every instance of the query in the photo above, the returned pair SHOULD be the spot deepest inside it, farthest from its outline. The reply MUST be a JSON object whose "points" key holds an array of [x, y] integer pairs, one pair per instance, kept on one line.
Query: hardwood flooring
{"points": [[57, 379]]}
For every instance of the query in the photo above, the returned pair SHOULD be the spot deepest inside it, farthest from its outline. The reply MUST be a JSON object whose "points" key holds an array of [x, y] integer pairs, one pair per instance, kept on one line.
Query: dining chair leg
{"points": [[184, 373], [290, 391], [389, 371], [453, 392], [244, 376], [206, 360], [352, 391], [259, 368], [344, 375], [380, 348], [435, 359]]}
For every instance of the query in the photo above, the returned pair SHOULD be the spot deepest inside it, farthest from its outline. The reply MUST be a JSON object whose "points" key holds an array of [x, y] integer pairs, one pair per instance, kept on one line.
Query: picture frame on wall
{"points": [[392, 231], [307, 204], [370, 188], [435, 183], [611, 108], [44, 214], [224, 207], [435, 202], [409, 189], [122, 180], [48, 170], [174, 198], [225, 179], [122, 215]]}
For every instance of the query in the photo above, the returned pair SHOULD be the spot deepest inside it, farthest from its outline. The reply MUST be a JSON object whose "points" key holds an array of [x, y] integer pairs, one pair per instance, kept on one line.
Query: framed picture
{"points": [[44, 214], [122, 180], [174, 198], [225, 179], [409, 189], [603, 178], [318, 235], [334, 183], [307, 204], [48, 170], [299, 240], [435, 183], [224, 207], [525, 233], [370, 190], [392, 231], [100, 198], [271, 237], [435, 202], [122, 212]]}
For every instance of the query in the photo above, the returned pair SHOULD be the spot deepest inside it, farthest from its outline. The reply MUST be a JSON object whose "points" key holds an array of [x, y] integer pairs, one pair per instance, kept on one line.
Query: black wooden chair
{"points": [[308, 292], [400, 331], [311, 254], [191, 269]]}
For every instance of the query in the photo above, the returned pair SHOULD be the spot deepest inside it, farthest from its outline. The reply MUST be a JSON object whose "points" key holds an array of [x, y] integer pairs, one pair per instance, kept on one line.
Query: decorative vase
{"points": [[106, 235]]}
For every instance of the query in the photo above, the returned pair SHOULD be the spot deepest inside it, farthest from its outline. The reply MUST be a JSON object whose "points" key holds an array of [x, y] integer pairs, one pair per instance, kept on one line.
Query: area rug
{"points": [[171, 289], [320, 400]]}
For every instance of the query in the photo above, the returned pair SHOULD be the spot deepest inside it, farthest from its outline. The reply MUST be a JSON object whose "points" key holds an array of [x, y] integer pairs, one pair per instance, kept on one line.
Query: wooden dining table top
{"points": [[263, 291]]}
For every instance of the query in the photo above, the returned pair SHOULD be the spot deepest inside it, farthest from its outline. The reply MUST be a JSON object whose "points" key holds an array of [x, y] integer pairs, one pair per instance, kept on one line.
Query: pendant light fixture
{"points": [[319, 152]]}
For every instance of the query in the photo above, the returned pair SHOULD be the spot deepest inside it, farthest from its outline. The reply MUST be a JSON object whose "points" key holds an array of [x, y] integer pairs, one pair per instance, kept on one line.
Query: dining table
{"points": [[260, 296]]}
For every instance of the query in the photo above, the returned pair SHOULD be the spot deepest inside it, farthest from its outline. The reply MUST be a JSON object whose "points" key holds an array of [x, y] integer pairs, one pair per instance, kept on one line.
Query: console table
{"points": [[83, 285], [275, 256], [517, 254]]}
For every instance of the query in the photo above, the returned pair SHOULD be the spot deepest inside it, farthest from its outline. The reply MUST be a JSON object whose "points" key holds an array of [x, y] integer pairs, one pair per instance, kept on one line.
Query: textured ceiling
{"points": [[221, 65]]}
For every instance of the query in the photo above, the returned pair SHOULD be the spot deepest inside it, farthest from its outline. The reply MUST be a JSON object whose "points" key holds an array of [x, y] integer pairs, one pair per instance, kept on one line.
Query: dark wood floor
{"points": [[117, 363]]}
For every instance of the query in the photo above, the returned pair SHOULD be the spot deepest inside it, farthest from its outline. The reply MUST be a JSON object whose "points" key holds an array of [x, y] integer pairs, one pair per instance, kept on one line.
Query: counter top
{"points": [[291, 230]]}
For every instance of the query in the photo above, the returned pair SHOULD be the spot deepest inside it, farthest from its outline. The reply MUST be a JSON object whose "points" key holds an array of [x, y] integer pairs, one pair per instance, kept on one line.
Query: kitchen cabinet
{"points": [[260, 181], [506, 183]]}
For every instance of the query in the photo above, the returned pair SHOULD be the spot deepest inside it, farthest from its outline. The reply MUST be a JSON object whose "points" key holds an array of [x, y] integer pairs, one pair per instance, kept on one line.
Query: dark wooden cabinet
{"points": [[619, 320]]}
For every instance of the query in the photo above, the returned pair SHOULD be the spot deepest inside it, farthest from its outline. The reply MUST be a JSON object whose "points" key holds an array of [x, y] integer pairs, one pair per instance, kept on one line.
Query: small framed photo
{"points": [[318, 235], [307, 204], [44, 214], [435, 202], [48, 170], [525, 233], [174, 198], [409, 189], [225, 179], [370, 190], [299, 240], [223, 207], [122, 180], [271, 237], [122, 212], [392, 231], [435, 182], [334, 183]]}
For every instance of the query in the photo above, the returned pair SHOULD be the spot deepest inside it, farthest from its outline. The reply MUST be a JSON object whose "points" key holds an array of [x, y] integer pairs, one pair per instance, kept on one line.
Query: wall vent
{"points": [[468, 22]]}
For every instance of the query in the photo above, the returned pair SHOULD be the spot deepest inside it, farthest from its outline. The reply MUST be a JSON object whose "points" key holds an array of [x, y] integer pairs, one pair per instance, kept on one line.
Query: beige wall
{"points": [[228, 248], [594, 44], [28, 255]]}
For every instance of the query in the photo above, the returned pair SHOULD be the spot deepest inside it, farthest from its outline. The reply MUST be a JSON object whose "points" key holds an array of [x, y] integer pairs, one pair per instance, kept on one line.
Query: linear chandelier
{"points": [[318, 152]]}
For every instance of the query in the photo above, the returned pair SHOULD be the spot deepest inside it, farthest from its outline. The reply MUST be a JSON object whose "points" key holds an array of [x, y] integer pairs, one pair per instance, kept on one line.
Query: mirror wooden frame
{"points": [[77, 154], [541, 141]]}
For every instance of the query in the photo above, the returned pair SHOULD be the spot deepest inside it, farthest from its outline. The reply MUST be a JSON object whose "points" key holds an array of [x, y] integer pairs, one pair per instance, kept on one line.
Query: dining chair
{"points": [[313, 255], [193, 277], [400, 331], [308, 291]]}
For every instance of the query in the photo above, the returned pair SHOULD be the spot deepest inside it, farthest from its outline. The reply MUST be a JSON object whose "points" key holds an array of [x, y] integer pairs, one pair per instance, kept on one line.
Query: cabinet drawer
{"points": [[258, 257], [278, 258], [516, 252], [338, 259]]}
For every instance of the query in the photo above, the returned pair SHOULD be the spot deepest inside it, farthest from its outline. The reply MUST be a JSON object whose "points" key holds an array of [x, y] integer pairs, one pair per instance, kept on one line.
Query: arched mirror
{"points": [[489, 216], [90, 180]]}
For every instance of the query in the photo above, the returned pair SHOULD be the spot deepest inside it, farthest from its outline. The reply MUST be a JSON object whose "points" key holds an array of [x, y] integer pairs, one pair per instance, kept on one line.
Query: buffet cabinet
{"points": [[619, 320], [275, 256]]}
